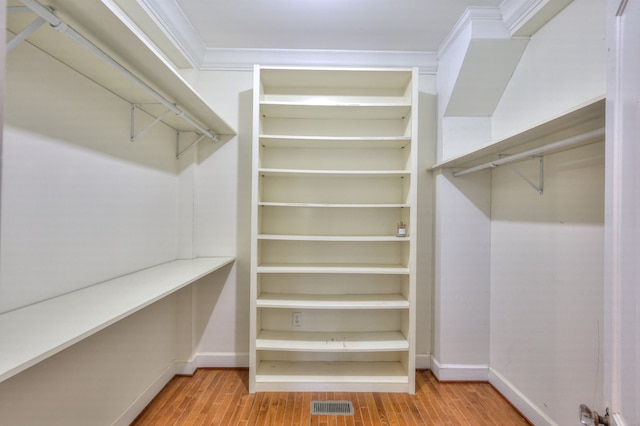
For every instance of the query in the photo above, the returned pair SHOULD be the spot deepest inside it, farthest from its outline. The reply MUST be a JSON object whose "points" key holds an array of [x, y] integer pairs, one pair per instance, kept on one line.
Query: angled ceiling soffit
{"points": [[476, 63]]}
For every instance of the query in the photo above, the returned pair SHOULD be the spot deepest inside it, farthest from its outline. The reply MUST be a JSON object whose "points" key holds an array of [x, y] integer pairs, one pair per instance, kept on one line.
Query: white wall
{"points": [[462, 276], [222, 216], [563, 67], [547, 251], [80, 202], [546, 281], [427, 136]]}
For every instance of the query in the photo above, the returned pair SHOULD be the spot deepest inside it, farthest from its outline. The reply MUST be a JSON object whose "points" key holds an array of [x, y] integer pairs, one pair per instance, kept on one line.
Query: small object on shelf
{"points": [[402, 229]]}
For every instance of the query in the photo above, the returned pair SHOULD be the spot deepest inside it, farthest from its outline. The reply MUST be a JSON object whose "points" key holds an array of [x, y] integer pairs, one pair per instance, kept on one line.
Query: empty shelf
{"points": [[332, 301]]}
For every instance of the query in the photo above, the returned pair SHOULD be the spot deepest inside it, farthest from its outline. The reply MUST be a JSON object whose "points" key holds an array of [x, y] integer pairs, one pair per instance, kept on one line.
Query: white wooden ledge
{"points": [[31, 334]]}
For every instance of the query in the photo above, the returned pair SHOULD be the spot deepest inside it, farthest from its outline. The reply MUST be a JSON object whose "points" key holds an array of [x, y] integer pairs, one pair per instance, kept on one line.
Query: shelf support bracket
{"points": [[22, 35], [540, 186], [189, 148], [135, 135]]}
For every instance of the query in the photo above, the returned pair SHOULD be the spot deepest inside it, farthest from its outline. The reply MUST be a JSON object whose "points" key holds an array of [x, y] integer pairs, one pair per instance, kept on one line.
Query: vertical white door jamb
{"points": [[622, 227]]}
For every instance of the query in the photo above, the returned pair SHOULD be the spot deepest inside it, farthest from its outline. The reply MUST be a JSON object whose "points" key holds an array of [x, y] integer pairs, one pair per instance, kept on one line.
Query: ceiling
{"points": [[369, 25]]}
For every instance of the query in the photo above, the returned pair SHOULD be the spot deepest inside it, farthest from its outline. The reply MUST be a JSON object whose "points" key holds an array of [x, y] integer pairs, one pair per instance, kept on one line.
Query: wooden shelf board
{"points": [[342, 206], [588, 117], [36, 332], [286, 141], [333, 269], [334, 238], [332, 301], [335, 111], [384, 341], [299, 77], [334, 173], [332, 372]]}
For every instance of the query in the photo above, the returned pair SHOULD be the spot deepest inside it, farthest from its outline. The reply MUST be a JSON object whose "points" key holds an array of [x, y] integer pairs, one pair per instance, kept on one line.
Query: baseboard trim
{"points": [[459, 372], [134, 410], [423, 362], [523, 404], [214, 360]]}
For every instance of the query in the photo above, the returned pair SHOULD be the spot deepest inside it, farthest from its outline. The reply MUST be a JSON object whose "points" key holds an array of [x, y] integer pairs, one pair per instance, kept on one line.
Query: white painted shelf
{"points": [[334, 173], [334, 238], [36, 332], [334, 177], [107, 26], [335, 205], [338, 268], [578, 121], [331, 372], [335, 142], [332, 301], [338, 111], [269, 340]]}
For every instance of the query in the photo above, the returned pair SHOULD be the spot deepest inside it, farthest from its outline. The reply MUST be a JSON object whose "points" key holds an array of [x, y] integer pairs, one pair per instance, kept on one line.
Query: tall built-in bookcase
{"points": [[332, 280]]}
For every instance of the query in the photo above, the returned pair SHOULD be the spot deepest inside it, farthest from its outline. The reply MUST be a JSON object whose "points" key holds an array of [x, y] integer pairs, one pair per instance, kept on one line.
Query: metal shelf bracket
{"points": [[190, 147], [135, 135], [540, 186], [30, 29]]}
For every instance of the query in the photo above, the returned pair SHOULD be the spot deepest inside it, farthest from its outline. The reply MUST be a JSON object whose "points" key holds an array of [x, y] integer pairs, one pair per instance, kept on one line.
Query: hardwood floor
{"points": [[221, 397]]}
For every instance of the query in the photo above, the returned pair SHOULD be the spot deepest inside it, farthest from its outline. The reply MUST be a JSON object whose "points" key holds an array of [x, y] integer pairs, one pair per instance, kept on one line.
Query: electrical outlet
{"points": [[297, 319]]}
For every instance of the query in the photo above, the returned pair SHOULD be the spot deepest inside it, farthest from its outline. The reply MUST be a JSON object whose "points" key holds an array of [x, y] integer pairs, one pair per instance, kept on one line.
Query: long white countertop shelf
{"points": [[289, 141], [333, 205], [332, 301], [338, 268], [36, 332], [383, 341]]}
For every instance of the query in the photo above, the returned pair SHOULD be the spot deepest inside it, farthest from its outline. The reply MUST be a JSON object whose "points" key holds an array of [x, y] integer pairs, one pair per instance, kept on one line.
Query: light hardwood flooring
{"points": [[221, 397]]}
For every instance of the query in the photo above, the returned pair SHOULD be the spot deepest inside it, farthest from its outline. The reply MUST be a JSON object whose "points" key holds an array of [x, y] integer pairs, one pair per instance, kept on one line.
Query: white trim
{"points": [[459, 372], [222, 360], [526, 407], [516, 12], [535, 13], [423, 361], [244, 59], [472, 13], [130, 414], [617, 420], [170, 18]]}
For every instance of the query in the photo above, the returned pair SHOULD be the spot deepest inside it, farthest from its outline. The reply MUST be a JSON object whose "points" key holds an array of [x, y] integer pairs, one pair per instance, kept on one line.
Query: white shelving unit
{"points": [[333, 287]]}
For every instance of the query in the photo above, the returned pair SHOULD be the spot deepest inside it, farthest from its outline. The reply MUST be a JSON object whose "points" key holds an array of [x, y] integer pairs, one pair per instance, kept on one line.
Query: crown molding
{"points": [[171, 20], [525, 17], [244, 59], [515, 12], [473, 14]]}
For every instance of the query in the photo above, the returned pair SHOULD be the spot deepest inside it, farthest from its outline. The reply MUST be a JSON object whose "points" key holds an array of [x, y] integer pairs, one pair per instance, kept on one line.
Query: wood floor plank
{"points": [[221, 397]]}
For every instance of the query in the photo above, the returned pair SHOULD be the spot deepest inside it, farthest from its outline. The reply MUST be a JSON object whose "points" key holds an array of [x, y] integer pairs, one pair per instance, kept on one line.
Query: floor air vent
{"points": [[339, 408]]}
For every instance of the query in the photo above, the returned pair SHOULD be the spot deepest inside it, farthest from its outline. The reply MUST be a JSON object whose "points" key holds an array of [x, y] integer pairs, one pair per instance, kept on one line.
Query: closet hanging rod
{"points": [[59, 25], [565, 143]]}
